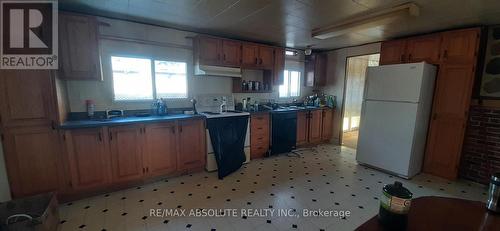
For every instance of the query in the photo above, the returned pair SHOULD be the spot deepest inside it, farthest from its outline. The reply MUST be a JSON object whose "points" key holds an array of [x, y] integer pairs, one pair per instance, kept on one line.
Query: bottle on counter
{"points": [[90, 108]]}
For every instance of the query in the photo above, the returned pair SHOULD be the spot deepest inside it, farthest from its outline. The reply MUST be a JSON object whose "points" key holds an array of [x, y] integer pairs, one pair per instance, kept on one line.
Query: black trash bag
{"points": [[228, 141]]}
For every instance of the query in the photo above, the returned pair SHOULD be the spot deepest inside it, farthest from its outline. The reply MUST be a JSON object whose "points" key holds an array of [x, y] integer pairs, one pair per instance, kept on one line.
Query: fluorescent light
{"points": [[291, 53], [371, 19]]}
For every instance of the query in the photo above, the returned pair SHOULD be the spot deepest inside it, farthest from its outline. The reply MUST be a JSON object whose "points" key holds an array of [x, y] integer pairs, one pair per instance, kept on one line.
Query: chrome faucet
{"points": [[223, 105]]}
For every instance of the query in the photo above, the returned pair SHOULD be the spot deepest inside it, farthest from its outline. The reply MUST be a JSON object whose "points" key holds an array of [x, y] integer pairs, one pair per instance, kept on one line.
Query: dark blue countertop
{"points": [[92, 123]]}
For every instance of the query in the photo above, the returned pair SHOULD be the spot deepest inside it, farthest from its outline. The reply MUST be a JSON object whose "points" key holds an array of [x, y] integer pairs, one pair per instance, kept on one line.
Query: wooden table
{"points": [[439, 213]]}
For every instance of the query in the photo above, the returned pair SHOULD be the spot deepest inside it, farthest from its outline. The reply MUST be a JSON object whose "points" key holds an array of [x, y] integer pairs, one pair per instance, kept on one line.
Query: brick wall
{"points": [[481, 148]]}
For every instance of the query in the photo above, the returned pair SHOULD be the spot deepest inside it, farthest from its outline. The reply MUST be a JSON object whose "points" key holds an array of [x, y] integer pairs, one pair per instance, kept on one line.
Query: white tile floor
{"points": [[326, 177]]}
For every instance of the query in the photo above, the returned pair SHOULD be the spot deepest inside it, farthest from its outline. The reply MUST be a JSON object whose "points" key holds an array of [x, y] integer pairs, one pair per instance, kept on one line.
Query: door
{"points": [[424, 48], [79, 47], [266, 57], [160, 151], [460, 46], [208, 50], [315, 120], [279, 66], [126, 152], [394, 83], [327, 124], [392, 52], [26, 98], [231, 53], [88, 157], [192, 150], [302, 127], [32, 158], [448, 121], [249, 55], [386, 135]]}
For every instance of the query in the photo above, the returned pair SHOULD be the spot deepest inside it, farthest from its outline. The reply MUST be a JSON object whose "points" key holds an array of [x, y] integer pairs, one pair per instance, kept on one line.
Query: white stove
{"points": [[209, 106]]}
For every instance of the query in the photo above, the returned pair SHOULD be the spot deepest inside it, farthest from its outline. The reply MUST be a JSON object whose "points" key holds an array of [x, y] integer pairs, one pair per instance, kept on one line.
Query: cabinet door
{"points": [[266, 57], [231, 53], [320, 70], [249, 55], [315, 126], [208, 50], [26, 98], [126, 156], [160, 151], [449, 117], [392, 52], [309, 68], [459, 47], [327, 124], [79, 47], [279, 66], [32, 158], [302, 127], [424, 48], [192, 150], [88, 157]]}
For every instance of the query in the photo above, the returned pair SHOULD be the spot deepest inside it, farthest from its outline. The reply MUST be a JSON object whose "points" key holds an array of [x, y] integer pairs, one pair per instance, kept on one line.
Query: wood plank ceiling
{"points": [[289, 22]]}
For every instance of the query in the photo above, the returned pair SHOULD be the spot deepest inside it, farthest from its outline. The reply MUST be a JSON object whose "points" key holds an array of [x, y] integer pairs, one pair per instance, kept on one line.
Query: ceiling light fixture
{"points": [[367, 20]]}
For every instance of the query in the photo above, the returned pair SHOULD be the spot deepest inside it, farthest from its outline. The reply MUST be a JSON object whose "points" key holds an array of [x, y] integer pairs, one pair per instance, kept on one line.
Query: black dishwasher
{"points": [[284, 131]]}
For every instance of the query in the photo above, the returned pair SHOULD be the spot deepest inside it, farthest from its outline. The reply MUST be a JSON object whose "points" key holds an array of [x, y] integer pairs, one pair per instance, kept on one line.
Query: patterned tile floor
{"points": [[326, 177]]}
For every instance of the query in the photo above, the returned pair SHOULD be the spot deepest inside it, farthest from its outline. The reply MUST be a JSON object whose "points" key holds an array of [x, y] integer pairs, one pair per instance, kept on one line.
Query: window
{"points": [[138, 79], [291, 85]]}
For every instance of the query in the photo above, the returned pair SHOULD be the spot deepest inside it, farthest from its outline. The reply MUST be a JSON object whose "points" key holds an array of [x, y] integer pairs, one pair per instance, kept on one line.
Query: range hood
{"points": [[217, 71]]}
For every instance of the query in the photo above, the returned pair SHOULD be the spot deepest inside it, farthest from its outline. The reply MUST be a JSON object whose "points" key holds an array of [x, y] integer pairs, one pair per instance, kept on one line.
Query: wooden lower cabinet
{"points": [[315, 125], [302, 127], [327, 124], [160, 150], [32, 157], [192, 144], [126, 152], [259, 135], [88, 158]]}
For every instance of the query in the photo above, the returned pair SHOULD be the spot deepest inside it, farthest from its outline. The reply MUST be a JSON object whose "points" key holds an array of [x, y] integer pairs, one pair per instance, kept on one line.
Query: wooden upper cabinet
{"points": [[302, 127], [231, 53], [249, 55], [266, 57], [208, 50], [192, 150], [423, 48], [393, 52], [460, 47], [315, 125], [327, 124], [26, 98], [279, 66], [32, 158], [126, 152], [78, 36], [315, 70], [160, 148], [88, 156], [449, 117]]}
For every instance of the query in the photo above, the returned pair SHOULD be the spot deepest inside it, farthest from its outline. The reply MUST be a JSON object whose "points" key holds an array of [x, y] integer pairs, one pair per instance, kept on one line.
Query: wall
{"points": [[336, 70], [4, 183], [157, 42], [481, 148]]}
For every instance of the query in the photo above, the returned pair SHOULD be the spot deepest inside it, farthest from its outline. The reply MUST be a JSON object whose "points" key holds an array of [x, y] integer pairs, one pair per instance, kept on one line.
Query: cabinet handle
{"points": [[445, 54], [180, 128], [100, 137], [53, 125], [224, 57], [256, 61], [260, 60], [409, 57], [172, 129], [147, 169], [110, 136]]}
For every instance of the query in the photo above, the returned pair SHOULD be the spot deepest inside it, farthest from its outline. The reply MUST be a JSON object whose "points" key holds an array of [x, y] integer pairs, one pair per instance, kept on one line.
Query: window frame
{"points": [[288, 96], [153, 77]]}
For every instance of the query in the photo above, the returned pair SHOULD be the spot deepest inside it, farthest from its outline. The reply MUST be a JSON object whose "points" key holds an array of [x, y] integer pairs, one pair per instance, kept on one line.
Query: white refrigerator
{"points": [[395, 115]]}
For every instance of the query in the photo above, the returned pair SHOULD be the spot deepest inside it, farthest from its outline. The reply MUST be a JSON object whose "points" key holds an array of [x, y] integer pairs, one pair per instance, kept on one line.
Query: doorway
{"points": [[353, 96]]}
